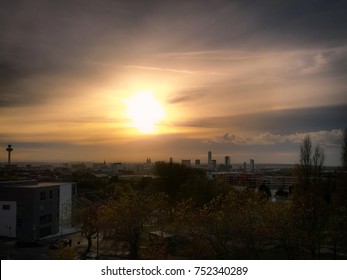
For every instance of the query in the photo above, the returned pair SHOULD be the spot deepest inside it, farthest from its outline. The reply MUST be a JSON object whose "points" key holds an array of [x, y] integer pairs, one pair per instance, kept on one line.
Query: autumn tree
{"points": [[310, 197], [282, 231], [228, 226], [88, 218], [128, 215]]}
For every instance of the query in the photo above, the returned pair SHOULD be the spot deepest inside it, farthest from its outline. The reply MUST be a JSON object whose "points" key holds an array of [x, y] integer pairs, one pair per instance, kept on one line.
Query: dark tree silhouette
{"points": [[305, 157], [344, 149]]}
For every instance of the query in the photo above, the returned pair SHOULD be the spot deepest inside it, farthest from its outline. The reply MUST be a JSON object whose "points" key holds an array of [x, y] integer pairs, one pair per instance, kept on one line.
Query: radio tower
{"points": [[9, 150]]}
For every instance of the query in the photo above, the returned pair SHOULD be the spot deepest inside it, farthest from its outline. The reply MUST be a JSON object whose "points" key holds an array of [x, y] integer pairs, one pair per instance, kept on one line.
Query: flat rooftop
{"points": [[29, 184]]}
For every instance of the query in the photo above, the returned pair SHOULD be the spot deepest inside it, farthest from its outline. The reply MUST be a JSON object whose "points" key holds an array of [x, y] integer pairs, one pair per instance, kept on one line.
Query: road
{"points": [[9, 250]]}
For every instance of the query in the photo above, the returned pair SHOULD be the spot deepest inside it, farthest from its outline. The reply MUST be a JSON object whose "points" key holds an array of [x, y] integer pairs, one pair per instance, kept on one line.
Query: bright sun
{"points": [[144, 111]]}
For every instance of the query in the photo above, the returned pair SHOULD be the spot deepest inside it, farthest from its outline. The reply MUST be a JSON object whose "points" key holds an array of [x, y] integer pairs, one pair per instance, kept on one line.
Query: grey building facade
{"points": [[38, 208]]}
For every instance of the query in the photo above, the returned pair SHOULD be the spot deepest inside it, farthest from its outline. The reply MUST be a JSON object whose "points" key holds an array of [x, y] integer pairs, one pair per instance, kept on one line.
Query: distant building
{"points": [[254, 180], [78, 166], [148, 166], [244, 165], [209, 157], [213, 164], [227, 161], [30, 210], [186, 162], [116, 168], [98, 165], [197, 162], [251, 163]]}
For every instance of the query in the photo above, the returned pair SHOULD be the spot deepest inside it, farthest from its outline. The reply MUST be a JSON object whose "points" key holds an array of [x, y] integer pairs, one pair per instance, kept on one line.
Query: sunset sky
{"points": [[248, 79]]}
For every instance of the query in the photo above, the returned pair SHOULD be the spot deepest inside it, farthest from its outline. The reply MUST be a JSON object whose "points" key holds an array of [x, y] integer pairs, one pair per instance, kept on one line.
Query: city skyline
{"points": [[128, 80]]}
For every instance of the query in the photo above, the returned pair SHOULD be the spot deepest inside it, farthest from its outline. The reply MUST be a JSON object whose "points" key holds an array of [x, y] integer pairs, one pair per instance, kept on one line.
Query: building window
{"points": [[6, 207], [42, 195], [42, 207], [50, 194]]}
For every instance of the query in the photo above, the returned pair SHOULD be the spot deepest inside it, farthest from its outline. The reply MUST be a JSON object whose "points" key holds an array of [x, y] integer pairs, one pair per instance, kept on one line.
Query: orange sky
{"points": [[244, 81]]}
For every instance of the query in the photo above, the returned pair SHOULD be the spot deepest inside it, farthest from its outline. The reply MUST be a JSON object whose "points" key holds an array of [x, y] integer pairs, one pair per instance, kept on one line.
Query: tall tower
{"points": [[227, 161], [209, 158], [251, 162], [9, 150]]}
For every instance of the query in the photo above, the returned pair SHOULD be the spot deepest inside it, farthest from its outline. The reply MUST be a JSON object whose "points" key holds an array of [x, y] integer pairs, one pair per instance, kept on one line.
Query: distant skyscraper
{"points": [[251, 162], [197, 162], [209, 158], [244, 165], [9, 150], [227, 161], [186, 162]]}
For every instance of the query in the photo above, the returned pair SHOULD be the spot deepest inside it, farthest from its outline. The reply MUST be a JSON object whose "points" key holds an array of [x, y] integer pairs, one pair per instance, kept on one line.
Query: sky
{"points": [[247, 79]]}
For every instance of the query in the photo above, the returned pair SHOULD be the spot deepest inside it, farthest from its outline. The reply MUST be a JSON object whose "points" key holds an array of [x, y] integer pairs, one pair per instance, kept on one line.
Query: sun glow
{"points": [[144, 111]]}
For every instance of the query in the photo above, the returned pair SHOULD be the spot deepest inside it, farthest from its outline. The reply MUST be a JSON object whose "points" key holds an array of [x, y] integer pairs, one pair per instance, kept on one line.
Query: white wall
{"points": [[65, 208], [8, 219]]}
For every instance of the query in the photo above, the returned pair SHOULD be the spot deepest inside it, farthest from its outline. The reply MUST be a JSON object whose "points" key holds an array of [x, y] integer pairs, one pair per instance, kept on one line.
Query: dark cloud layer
{"points": [[280, 121]]}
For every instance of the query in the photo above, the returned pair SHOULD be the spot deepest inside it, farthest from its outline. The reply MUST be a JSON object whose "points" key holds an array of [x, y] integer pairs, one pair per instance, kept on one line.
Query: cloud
{"points": [[188, 95], [182, 71], [281, 121], [326, 138]]}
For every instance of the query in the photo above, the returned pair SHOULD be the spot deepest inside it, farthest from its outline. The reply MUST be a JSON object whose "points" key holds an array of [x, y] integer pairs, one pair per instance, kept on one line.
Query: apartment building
{"points": [[30, 210]]}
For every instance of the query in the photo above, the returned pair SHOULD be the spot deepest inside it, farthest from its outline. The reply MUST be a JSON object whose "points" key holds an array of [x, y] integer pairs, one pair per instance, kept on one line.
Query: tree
{"points": [[305, 157], [127, 217], [89, 219], [265, 191], [172, 176], [310, 164], [230, 226], [318, 160], [344, 149], [283, 233], [310, 202], [338, 217]]}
